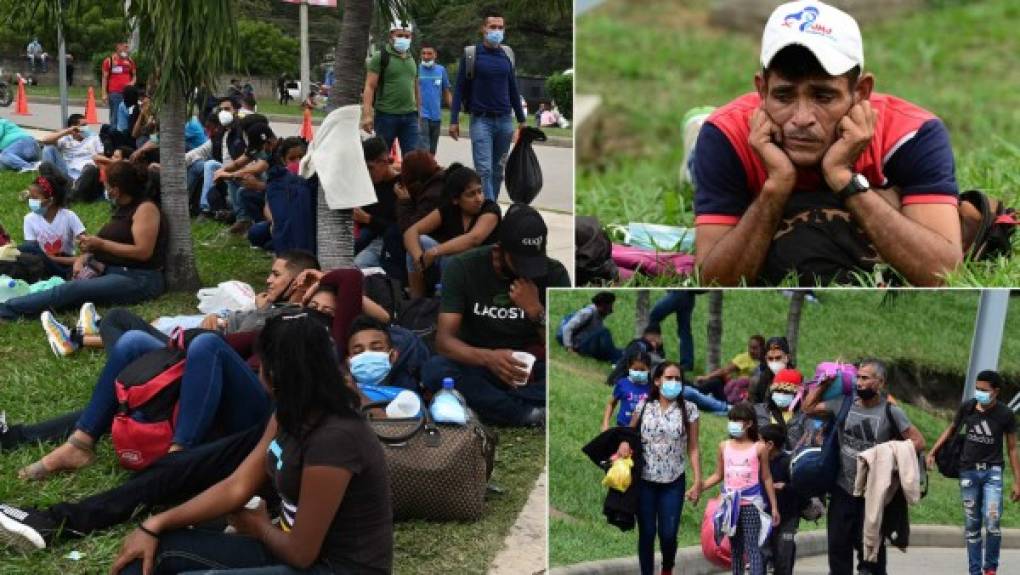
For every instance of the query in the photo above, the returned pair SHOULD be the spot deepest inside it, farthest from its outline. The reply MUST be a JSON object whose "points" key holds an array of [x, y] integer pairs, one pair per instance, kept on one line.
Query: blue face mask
{"points": [[370, 367], [85, 133], [782, 400], [671, 388], [736, 429], [638, 376], [494, 37], [36, 206], [401, 44], [983, 397]]}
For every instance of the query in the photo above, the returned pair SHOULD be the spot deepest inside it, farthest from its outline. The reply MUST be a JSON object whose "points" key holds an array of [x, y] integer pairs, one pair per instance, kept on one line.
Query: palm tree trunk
{"points": [[641, 311], [181, 270], [335, 228], [715, 328], [793, 322]]}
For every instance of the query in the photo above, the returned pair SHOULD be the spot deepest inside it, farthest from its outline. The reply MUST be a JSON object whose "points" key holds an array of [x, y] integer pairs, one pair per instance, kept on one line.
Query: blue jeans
{"points": [[659, 512], [217, 385], [118, 286], [370, 256], [489, 397], [430, 130], [981, 492], [52, 267], [19, 154], [260, 236], [252, 202], [208, 169], [600, 346], [490, 144], [196, 173], [680, 302], [52, 155], [195, 551], [400, 127], [427, 243], [115, 100], [704, 401]]}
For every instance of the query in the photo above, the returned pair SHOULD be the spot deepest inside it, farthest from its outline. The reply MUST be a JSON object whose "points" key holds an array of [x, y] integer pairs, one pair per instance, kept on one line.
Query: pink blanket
{"points": [[651, 263]]}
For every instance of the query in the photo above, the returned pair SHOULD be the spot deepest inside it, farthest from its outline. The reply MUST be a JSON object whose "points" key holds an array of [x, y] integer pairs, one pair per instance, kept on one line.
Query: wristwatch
{"points": [[540, 321], [858, 183]]}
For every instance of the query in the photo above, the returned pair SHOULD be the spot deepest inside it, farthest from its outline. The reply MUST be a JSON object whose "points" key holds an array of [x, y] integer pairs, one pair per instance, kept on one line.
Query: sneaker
{"points": [[24, 529], [88, 319], [3, 423], [58, 335], [536, 418], [32, 167], [240, 227]]}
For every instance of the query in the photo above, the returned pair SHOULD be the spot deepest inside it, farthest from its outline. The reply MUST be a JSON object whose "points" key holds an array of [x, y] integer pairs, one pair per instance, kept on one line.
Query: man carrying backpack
{"points": [[986, 421], [870, 422], [391, 99], [487, 87]]}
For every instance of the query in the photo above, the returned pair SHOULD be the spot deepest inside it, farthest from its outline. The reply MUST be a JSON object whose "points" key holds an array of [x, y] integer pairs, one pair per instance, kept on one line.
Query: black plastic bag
{"points": [[523, 172]]}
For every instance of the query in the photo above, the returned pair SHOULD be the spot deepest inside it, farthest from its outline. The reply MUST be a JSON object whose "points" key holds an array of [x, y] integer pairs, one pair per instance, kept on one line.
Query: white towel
{"points": [[337, 157]]}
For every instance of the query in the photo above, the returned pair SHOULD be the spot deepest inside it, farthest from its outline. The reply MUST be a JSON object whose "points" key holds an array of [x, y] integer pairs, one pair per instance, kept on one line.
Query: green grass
{"points": [[932, 328], [34, 385], [651, 65]]}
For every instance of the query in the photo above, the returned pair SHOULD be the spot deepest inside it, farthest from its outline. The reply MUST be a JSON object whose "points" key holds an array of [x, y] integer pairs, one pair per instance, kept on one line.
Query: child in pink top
{"points": [[743, 467]]}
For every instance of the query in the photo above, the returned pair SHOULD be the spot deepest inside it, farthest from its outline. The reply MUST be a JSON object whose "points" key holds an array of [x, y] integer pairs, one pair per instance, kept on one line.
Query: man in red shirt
{"points": [[118, 71], [817, 176]]}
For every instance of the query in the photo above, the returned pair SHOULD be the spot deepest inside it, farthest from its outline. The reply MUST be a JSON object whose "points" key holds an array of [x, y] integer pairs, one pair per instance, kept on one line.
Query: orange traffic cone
{"points": [[91, 116], [21, 107], [395, 155], [306, 126]]}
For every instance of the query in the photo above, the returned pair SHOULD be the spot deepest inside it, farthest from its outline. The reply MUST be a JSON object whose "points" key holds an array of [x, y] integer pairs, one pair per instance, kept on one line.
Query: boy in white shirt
{"points": [[71, 152]]}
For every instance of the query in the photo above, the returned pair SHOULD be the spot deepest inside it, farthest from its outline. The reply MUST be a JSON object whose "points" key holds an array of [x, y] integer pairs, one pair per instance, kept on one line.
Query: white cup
{"points": [[529, 361], [405, 404]]}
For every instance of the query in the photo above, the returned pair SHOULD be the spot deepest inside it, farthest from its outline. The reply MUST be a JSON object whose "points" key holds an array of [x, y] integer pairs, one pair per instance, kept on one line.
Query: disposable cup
{"points": [[529, 361]]}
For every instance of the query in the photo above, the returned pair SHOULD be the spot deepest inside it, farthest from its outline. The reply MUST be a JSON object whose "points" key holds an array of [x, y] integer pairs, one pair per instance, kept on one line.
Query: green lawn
{"points": [[933, 328], [35, 385], [651, 65]]}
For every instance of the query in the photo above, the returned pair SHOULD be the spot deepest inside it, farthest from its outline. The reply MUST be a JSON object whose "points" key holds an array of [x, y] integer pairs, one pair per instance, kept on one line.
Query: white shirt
{"points": [[56, 237], [78, 154], [664, 439]]}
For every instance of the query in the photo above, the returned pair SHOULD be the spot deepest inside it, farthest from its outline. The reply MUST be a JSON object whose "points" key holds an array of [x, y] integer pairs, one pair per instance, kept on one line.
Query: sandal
{"points": [[38, 471]]}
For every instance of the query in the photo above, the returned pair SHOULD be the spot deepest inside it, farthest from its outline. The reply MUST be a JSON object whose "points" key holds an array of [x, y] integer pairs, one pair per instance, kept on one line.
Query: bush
{"points": [[265, 50], [560, 88]]}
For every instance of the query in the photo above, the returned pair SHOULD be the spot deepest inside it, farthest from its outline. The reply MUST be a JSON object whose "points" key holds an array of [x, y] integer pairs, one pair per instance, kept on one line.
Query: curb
{"points": [[552, 141], [690, 561]]}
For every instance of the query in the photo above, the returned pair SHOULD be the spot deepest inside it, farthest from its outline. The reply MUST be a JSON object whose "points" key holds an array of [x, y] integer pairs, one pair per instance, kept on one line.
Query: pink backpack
{"points": [[719, 555]]}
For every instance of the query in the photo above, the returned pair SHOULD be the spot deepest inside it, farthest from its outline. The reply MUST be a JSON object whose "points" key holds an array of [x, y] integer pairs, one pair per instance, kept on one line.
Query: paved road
{"points": [[919, 560], [557, 163]]}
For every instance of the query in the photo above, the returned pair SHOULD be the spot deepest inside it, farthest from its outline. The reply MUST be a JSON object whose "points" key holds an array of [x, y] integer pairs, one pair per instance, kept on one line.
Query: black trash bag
{"points": [[523, 173], [593, 259]]}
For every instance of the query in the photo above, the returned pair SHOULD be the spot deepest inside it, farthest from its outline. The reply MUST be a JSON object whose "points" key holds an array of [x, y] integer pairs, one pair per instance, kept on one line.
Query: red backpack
{"points": [[148, 390]]}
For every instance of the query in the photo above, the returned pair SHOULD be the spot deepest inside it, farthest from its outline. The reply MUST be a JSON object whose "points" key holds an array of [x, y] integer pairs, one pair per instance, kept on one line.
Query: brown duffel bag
{"points": [[438, 472]]}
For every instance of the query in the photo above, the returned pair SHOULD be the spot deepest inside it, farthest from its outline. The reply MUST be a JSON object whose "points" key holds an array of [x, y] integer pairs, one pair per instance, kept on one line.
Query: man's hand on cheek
{"points": [[854, 133], [765, 138]]}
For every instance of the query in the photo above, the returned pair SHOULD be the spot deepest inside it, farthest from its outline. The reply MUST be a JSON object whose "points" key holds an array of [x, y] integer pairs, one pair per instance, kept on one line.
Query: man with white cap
{"points": [[391, 99], [816, 174]]}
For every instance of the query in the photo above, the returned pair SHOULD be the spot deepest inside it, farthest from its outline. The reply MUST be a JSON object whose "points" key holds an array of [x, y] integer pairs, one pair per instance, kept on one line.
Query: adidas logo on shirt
{"points": [[981, 433]]}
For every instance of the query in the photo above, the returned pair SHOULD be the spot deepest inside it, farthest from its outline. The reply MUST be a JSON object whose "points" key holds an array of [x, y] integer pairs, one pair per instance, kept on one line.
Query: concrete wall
{"points": [[750, 15]]}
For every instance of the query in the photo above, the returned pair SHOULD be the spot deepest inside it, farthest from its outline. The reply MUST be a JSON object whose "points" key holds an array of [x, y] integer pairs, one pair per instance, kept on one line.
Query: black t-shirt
{"points": [[384, 211], [361, 534], [790, 502], [452, 223], [489, 319], [984, 431]]}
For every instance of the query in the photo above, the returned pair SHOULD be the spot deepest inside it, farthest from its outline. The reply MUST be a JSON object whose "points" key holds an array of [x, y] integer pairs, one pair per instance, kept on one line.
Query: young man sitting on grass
{"points": [[816, 174]]}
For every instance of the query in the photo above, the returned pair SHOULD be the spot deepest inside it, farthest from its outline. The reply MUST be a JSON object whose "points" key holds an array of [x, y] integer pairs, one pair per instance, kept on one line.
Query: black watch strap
{"points": [[858, 184]]}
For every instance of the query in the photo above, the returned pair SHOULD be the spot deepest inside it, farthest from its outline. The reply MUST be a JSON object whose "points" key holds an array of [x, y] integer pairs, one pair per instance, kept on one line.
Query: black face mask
{"points": [[324, 319], [866, 394]]}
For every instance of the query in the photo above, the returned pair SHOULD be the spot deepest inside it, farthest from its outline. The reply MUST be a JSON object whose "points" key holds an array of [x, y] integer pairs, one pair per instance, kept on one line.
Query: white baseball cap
{"points": [[829, 33]]}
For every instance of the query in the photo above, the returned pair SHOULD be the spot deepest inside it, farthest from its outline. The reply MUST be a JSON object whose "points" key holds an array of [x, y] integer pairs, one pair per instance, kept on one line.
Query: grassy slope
{"points": [[933, 327], [652, 65], [35, 385]]}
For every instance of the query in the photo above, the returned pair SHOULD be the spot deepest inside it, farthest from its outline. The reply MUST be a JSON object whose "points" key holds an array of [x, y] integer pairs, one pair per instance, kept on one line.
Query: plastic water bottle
{"points": [[11, 288], [448, 406]]}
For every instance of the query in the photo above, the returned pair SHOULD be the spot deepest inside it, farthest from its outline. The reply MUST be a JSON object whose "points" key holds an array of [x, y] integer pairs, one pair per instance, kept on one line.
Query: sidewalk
{"points": [[524, 550]]}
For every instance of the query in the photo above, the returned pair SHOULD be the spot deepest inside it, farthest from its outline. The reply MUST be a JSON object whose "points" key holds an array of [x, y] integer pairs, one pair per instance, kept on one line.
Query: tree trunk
{"points": [[715, 329], [181, 271], [335, 228], [793, 322], [641, 311]]}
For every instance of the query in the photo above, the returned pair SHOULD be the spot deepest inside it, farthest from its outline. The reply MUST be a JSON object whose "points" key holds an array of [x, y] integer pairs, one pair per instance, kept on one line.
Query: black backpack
{"points": [[988, 228], [420, 316], [593, 258], [948, 458], [27, 266]]}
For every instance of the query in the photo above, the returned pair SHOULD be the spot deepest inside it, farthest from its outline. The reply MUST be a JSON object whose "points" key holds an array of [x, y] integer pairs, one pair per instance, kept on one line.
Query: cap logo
{"points": [[536, 241], [807, 18]]}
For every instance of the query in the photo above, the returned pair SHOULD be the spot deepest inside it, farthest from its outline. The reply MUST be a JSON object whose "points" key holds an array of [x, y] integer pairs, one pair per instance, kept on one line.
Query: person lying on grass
{"points": [[815, 174], [335, 504]]}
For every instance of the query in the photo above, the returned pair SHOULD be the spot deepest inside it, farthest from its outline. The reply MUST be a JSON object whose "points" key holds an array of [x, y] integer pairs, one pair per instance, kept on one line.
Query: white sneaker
{"points": [[33, 167], [58, 335], [88, 319]]}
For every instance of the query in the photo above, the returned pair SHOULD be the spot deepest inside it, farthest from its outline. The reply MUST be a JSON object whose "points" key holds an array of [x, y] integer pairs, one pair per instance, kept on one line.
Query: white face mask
{"points": [[428, 63], [123, 54], [777, 366], [225, 117]]}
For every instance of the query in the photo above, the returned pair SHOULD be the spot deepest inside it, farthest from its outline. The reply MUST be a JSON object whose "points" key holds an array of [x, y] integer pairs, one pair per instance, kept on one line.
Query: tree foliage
{"points": [[560, 88], [265, 50]]}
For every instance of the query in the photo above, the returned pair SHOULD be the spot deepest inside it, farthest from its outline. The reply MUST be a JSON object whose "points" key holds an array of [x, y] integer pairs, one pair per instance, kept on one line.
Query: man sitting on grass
{"points": [[72, 151], [817, 175]]}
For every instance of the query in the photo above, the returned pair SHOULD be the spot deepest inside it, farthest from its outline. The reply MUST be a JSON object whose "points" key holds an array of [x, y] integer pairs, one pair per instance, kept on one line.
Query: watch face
{"points": [[861, 181]]}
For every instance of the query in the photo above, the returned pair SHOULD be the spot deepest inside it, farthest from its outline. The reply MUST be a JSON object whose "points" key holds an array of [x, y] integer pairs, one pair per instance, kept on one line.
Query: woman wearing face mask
{"points": [[776, 359], [51, 229], [743, 468], [668, 426], [121, 265], [986, 421], [782, 405], [629, 391]]}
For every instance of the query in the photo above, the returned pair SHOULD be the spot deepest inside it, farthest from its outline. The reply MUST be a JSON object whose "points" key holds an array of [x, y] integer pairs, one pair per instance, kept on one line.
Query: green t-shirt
{"points": [[489, 319], [400, 80]]}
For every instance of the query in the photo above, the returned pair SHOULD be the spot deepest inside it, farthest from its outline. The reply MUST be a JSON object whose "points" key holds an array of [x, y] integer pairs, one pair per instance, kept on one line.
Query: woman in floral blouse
{"points": [[668, 425]]}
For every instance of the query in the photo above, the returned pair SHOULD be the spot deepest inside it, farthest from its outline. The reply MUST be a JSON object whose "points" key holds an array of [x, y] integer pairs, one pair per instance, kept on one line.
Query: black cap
{"points": [[523, 236], [257, 136]]}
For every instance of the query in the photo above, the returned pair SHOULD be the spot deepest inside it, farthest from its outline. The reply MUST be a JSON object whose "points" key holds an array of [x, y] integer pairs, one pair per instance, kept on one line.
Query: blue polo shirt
{"points": [[432, 82]]}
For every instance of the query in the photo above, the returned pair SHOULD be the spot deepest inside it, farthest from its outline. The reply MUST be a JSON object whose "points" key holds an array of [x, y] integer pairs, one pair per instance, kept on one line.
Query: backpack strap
{"points": [[510, 56], [384, 61], [470, 53]]}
